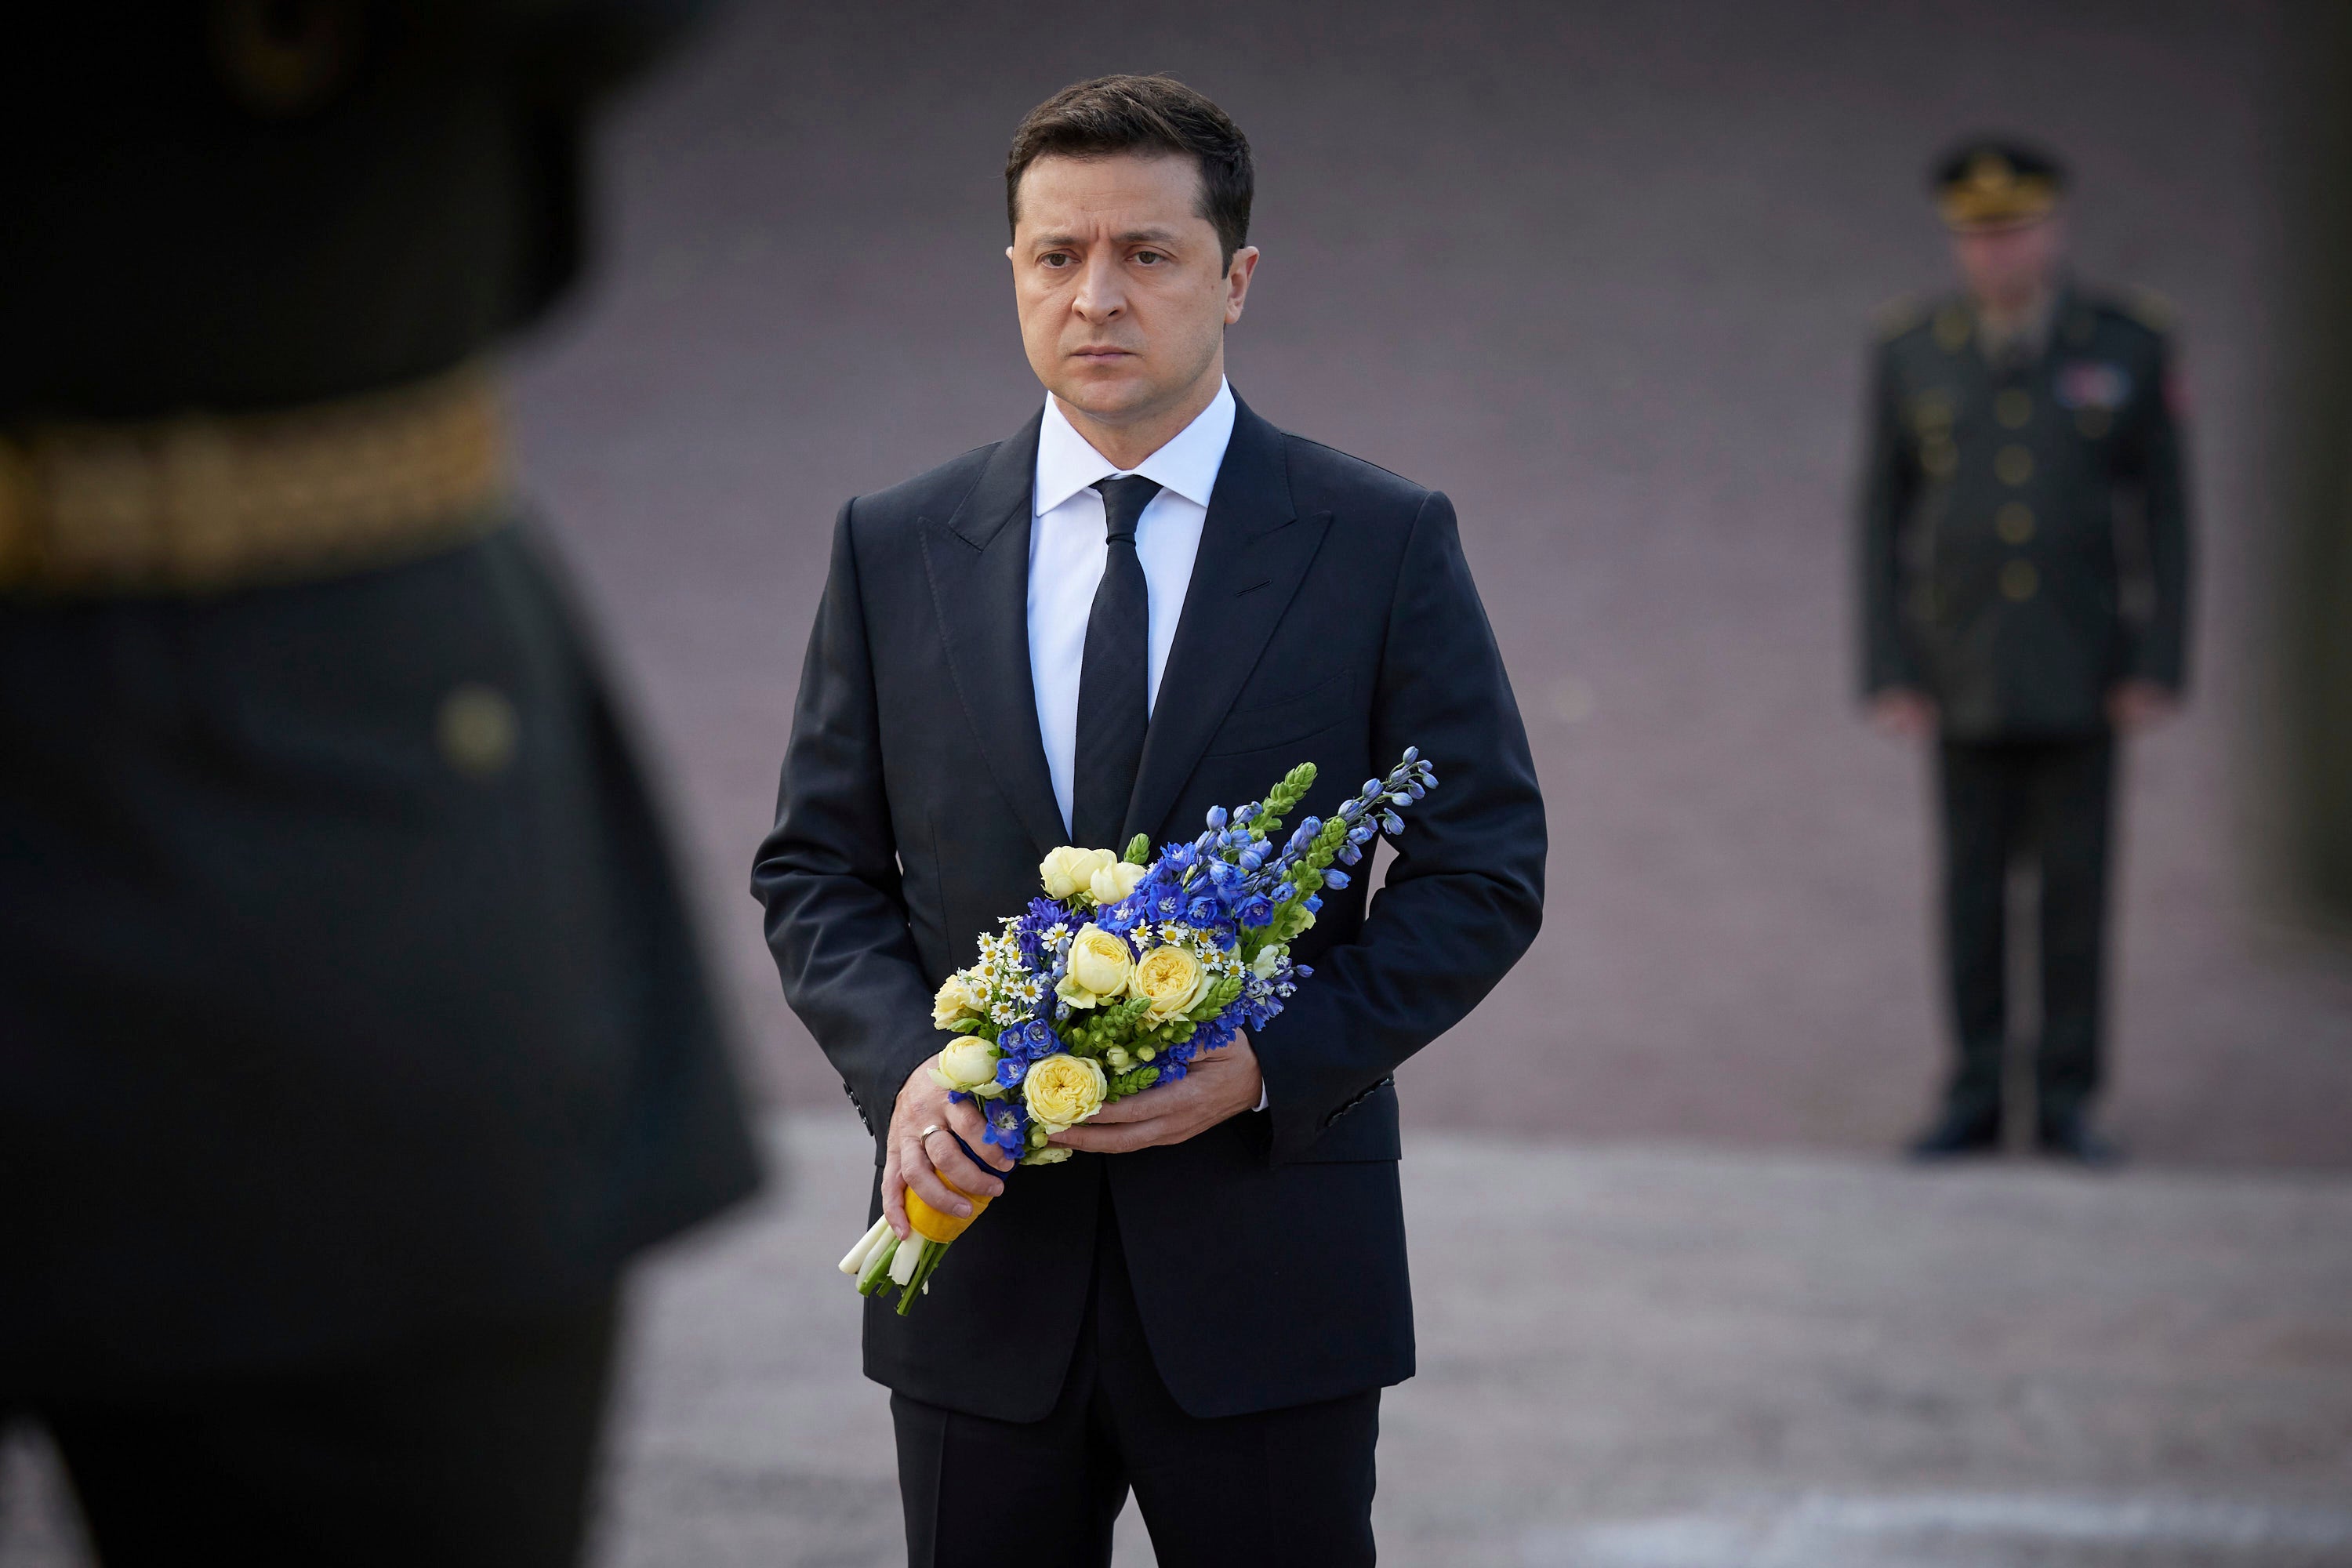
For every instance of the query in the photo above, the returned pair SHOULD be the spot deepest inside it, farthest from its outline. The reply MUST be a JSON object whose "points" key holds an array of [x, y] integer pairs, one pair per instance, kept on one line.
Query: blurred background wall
{"points": [[1603, 273]]}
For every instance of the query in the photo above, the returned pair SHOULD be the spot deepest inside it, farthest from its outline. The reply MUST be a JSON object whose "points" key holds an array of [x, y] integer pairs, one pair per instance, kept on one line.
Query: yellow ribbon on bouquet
{"points": [[931, 1225]]}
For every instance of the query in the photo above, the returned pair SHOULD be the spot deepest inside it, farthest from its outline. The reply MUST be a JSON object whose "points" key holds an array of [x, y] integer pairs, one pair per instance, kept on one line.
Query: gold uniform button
{"points": [[2013, 407], [1939, 459], [2093, 422], [2014, 522], [2018, 581], [477, 731], [2014, 464]]}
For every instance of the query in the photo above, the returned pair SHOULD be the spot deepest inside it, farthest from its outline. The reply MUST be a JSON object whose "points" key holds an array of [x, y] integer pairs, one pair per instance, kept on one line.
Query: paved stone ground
{"points": [[1635, 1357], [1603, 273]]}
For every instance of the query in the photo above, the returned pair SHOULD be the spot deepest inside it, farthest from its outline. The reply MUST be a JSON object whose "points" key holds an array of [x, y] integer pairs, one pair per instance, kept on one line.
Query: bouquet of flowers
{"points": [[1124, 973]]}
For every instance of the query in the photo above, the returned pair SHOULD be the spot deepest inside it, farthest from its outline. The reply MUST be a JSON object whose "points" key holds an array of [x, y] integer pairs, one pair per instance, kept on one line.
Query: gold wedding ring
{"points": [[927, 1132]]}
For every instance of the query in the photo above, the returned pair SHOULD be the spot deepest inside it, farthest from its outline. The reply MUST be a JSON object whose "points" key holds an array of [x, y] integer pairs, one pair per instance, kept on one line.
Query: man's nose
{"points": [[1100, 294]]}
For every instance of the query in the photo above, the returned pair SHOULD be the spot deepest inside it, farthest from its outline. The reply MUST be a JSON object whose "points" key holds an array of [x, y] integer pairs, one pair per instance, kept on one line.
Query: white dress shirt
{"points": [[1066, 548]]}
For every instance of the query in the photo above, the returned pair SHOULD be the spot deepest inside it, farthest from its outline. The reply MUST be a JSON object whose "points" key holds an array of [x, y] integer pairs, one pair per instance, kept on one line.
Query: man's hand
{"points": [[1906, 714], [912, 1160], [2140, 705], [1218, 1086]]}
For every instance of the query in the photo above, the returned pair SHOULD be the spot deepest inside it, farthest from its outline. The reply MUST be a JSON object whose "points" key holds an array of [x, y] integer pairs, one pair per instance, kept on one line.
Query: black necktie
{"points": [[1115, 683]]}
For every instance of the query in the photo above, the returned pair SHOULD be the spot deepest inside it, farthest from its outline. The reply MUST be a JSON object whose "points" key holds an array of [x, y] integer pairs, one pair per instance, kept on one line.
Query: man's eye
{"points": [[1054, 258], [1149, 258]]}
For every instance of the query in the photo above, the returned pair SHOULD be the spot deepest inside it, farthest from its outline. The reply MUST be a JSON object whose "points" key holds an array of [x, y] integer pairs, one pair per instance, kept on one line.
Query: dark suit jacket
{"points": [[1330, 619]]}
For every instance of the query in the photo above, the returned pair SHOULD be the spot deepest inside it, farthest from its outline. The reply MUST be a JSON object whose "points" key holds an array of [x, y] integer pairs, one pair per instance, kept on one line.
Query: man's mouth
{"points": [[1102, 352]]}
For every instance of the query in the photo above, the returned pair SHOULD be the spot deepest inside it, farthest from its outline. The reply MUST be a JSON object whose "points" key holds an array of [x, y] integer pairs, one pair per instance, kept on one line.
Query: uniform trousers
{"points": [[2047, 803], [468, 1447], [1288, 1487]]}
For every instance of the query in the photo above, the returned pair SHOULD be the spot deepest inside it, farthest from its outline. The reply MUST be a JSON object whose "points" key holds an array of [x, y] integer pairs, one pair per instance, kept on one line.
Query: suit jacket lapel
{"points": [[978, 562], [1255, 549]]}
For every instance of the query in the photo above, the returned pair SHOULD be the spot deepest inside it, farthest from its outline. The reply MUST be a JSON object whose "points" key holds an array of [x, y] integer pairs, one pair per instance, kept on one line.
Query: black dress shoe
{"points": [[1956, 1135], [2072, 1137]]}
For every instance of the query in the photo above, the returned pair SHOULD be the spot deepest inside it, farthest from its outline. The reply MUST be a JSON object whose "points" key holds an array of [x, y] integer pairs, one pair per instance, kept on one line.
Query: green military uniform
{"points": [[2023, 551], [351, 1036]]}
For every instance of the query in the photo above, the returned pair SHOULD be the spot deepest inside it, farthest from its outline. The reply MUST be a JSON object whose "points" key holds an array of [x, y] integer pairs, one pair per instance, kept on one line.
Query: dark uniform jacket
{"points": [[1330, 619], [2024, 531], [346, 990]]}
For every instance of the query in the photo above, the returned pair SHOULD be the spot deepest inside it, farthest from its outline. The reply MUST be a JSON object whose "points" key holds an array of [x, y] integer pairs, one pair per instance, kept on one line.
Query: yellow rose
{"points": [[1113, 882], [967, 1064], [1064, 1091], [1172, 978], [956, 999], [1068, 869], [1099, 967]]}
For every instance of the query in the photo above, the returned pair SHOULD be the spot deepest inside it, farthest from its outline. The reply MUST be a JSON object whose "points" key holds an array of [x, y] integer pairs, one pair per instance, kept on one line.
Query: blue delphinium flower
{"points": [[1203, 912], [1256, 910], [1008, 1126], [1032, 1041], [1335, 878], [1029, 931], [1011, 1070]]}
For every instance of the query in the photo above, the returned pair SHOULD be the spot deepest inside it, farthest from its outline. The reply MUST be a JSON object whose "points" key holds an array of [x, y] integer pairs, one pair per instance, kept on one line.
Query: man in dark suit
{"points": [[352, 1035], [2024, 555], [1145, 603]]}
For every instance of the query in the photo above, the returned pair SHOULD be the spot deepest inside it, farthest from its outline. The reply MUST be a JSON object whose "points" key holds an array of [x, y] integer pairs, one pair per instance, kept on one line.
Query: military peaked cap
{"points": [[1990, 182]]}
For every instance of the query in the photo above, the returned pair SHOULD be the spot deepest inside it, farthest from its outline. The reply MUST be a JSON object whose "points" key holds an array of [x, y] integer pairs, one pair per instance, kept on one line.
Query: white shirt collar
{"points": [[1187, 464]]}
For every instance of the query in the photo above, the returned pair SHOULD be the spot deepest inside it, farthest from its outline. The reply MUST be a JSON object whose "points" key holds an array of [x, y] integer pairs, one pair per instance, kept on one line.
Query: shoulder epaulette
{"points": [[2149, 308], [1899, 316]]}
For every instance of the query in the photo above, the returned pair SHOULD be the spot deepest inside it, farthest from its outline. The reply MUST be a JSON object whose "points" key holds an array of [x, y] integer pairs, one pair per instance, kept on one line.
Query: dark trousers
{"points": [[470, 1449], [2047, 803], [1285, 1487]]}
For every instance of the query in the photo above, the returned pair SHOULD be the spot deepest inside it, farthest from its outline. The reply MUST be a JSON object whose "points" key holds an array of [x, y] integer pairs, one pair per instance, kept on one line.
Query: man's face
{"points": [[1123, 293], [2008, 267]]}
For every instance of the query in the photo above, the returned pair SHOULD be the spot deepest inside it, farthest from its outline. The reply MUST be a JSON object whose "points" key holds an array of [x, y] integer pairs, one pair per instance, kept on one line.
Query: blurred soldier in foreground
{"points": [[2024, 547], [351, 1035]]}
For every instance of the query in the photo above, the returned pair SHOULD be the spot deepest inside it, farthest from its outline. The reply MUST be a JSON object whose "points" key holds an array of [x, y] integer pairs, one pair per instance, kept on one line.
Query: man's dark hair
{"points": [[1147, 114]]}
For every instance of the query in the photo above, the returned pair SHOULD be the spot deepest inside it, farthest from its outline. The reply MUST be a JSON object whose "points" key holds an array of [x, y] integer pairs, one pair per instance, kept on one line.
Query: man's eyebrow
{"points": [[1132, 237]]}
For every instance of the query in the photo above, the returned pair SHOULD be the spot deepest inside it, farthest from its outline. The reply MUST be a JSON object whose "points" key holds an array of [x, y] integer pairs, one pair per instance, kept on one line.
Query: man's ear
{"points": [[1238, 273]]}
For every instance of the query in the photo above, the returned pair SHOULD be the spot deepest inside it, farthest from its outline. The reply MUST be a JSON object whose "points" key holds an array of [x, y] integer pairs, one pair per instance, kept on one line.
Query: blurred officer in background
{"points": [[351, 1037], [2025, 563]]}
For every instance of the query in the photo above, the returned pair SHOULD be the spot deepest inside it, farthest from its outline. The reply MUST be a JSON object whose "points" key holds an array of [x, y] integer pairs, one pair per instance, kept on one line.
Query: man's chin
{"points": [[1110, 397]]}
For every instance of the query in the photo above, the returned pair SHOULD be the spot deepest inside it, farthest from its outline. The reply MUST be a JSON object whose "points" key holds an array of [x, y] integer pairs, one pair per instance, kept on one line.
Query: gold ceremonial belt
{"points": [[202, 503]]}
